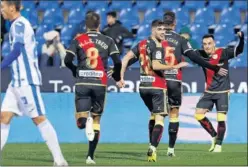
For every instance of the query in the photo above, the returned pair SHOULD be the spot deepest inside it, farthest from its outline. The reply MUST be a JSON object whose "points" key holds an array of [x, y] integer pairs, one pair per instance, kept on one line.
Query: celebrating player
{"points": [[218, 88], [23, 93], [178, 46], [92, 50], [150, 53]]}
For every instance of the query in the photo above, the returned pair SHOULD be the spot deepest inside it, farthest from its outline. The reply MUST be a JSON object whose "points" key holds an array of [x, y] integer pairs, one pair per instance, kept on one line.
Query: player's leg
{"points": [[173, 129], [6, 117], [8, 110], [204, 105], [174, 100], [222, 108], [151, 125], [83, 107], [94, 142], [31, 102], [146, 97], [98, 102], [160, 110]]}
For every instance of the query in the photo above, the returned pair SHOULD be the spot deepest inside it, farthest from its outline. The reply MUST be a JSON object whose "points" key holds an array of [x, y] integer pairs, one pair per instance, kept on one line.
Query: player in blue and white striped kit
{"points": [[23, 94]]}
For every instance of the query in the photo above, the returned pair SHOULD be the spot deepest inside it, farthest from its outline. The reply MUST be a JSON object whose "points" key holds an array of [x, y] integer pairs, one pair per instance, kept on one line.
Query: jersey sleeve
{"points": [[186, 46], [113, 49], [229, 53], [18, 32], [135, 50]]}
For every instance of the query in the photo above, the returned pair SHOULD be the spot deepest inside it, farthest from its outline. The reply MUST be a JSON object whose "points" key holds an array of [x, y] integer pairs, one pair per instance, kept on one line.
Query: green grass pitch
{"points": [[125, 155]]}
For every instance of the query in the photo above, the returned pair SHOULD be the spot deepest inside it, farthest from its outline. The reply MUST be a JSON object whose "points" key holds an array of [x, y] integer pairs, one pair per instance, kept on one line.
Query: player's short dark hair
{"points": [[16, 3], [157, 23], [92, 20], [112, 13], [169, 17], [208, 36]]}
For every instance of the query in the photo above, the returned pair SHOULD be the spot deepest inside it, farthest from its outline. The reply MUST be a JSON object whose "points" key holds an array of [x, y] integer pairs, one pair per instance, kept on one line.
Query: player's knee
{"points": [[174, 113], [96, 119], [199, 117], [201, 111], [5, 117], [38, 120], [221, 117], [152, 117], [159, 119], [174, 119], [81, 122]]}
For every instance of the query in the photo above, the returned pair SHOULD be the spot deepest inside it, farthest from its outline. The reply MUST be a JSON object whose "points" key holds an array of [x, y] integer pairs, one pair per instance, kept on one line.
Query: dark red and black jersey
{"points": [[215, 82], [92, 50], [146, 51], [177, 47]]}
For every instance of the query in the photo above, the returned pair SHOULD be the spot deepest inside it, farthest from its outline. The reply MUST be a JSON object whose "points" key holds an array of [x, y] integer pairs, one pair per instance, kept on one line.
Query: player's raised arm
{"points": [[238, 49], [70, 53]]}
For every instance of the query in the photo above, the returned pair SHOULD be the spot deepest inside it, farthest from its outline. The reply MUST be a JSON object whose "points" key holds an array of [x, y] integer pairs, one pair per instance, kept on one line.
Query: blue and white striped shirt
{"points": [[25, 69]]}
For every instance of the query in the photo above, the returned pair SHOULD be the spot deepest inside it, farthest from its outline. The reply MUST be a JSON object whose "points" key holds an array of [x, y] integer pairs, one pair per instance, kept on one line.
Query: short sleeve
{"points": [[18, 32]]}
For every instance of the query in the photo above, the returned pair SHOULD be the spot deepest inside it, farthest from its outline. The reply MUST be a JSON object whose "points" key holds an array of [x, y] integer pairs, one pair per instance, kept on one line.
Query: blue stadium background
{"points": [[223, 18]]}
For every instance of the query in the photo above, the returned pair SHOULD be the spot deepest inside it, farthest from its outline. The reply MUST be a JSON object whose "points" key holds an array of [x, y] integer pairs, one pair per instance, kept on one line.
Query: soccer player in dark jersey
{"points": [[150, 53], [177, 47], [217, 88], [92, 50]]}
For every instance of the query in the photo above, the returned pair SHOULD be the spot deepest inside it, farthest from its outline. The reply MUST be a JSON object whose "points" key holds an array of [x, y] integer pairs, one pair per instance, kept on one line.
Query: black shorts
{"points": [[155, 100], [174, 89], [207, 101], [90, 98]]}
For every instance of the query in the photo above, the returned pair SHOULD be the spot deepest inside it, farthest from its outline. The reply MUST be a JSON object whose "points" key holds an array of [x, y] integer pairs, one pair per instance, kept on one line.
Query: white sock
{"points": [[4, 134], [49, 135]]}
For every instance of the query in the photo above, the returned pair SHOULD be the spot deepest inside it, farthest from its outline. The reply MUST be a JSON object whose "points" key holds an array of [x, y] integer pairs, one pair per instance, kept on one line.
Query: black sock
{"points": [[173, 129], [157, 134], [221, 132], [93, 144], [207, 125], [150, 127]]}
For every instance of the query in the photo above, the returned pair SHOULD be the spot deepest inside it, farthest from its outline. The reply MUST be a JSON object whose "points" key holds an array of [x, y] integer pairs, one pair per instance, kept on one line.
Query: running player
{"points": [[150, 53], [23, 93], [177, 47], [92, 50], [218, 88]]}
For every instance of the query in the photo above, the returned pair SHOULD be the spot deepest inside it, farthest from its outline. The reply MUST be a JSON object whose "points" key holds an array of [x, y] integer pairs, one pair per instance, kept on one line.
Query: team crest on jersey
{"points": [[158, 55], [215, 56]]}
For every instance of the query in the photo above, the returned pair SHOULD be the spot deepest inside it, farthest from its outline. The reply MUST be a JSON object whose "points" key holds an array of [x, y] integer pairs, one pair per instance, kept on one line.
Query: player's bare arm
{"points": [[125, 62]]}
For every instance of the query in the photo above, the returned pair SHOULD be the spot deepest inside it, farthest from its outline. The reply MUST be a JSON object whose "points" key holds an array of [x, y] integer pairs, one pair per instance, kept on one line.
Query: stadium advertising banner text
{"points": [[60, 80]]}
